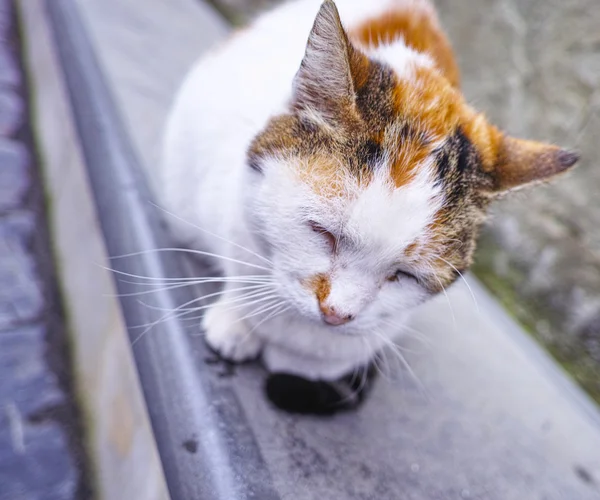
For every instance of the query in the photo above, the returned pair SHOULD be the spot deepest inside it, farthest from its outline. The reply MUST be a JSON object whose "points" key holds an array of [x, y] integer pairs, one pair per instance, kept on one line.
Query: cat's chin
{"points": [[344, 330], [347, 330], [280, 360], [351, 329]]}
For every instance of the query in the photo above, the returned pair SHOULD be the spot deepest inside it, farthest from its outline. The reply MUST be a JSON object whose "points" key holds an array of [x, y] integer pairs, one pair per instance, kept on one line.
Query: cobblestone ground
{"points": [[40, 442]]}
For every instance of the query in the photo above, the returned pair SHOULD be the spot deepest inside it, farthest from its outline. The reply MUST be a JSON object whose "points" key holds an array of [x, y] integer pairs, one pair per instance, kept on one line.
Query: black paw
{"points": [[295, 394]]}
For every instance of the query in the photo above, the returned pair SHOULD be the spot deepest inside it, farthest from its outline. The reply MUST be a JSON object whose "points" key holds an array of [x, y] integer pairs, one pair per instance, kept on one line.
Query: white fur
{"points": [[225, 101], [401, 58]]}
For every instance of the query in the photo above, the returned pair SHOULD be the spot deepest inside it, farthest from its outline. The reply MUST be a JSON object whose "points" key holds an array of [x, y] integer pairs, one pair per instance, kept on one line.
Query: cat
{"points": [[327, 159]]}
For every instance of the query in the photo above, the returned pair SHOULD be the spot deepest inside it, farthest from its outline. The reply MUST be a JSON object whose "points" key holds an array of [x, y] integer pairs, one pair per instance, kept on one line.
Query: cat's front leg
{"points": [[227, 332]]}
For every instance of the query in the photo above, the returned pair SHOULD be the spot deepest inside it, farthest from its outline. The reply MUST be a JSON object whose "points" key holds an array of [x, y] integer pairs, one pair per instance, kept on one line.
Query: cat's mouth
{"points": [[329, 317], [348, 329]]}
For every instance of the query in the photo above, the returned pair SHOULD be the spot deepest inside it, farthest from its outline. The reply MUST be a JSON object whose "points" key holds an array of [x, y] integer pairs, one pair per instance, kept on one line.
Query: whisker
{"points": [[213, 234], [446, 295], [181, 279], [363, 382], [179, 285], [250, 295], [259, 278], [270, 316], [463, 278], [403, 328], [268, 307], [400, 357], [377, 359], [232, 308], [262, 298], [192, 251], [377, 362], [356, 368], [380, 353], [277, 312], [181, 309]]}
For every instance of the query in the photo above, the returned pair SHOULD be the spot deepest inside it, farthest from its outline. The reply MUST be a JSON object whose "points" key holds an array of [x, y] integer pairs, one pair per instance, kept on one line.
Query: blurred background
{"points": [[532, 65]]}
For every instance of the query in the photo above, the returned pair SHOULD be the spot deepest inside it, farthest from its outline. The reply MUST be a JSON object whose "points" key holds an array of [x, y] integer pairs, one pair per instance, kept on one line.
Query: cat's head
{"points": [[370, 190]]}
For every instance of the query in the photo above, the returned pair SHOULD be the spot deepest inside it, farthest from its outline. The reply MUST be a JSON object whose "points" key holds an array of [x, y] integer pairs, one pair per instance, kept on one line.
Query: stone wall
{"points": [[534, 67]]}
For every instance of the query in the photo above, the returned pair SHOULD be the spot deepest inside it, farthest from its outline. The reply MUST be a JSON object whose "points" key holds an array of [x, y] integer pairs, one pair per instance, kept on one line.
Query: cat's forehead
{"points": [[383, 218]]}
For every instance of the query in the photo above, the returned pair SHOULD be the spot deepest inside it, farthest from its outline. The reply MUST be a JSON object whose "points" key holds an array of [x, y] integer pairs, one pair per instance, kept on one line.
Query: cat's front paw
{"points": [[230, 336]]}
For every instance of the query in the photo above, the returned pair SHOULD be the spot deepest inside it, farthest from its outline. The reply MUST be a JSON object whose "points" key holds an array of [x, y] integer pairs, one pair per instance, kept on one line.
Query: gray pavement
{"points": [[491, 416], [39, 454]]}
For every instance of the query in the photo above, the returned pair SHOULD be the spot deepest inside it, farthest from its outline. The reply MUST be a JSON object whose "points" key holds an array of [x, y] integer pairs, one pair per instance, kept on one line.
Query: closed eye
{"points": [[401, 274], [327, 235]]}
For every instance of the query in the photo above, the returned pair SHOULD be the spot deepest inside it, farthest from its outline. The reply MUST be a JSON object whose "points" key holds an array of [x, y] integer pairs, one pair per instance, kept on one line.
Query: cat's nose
{"points": [[333, 317]]}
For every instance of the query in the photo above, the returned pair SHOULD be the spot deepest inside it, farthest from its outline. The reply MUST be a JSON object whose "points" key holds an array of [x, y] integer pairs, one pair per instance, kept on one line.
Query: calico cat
{"points": [[327, 159]]}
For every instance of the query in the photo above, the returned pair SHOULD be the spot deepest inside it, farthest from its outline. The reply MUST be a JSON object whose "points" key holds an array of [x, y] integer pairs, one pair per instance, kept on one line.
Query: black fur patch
{"points": [[370, 153], [458, 156], [374, 98], [295, 394], [458, 167], [254, 163]]}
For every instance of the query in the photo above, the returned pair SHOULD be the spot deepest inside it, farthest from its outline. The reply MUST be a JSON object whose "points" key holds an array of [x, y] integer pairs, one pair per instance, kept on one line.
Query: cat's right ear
{"points": [[512, 163], [331, 69]]}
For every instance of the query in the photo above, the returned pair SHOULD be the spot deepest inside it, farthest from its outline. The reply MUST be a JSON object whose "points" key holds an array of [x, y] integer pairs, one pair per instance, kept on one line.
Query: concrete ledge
{"points": [[206, 447]]}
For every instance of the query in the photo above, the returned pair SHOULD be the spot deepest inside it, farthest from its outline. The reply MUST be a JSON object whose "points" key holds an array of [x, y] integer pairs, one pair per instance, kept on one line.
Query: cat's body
{"points": [[369, 144]]}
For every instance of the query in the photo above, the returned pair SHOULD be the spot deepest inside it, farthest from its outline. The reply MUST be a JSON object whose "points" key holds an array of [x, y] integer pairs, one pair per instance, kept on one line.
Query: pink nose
{"points": [[332, 317]]}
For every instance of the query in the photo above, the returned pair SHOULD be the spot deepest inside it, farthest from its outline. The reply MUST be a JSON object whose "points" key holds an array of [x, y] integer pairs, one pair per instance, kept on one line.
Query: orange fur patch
{"points": [[430, 103], [409, 155], [420, 30], [485, 137], [320, 285], [327, 177], [410, 250]]}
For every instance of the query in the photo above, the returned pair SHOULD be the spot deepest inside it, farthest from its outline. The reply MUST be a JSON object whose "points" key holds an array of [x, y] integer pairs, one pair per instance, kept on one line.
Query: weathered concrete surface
{"points": [[534, 67], [41, 452], [127, 32], [486, 417]]}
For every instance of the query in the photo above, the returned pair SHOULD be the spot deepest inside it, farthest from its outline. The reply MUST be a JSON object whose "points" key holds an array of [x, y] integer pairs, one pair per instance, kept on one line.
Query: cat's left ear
{"points": [[520, 162], [331, 69]]}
